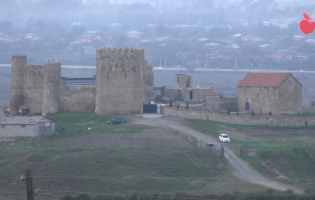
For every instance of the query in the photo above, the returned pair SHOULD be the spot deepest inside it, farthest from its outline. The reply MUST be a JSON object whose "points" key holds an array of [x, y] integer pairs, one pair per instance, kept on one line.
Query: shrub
{"points": [[253, 113]]}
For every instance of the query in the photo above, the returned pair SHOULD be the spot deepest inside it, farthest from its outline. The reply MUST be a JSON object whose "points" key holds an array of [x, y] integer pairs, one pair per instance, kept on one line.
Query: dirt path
{"points": [[241, 169]]}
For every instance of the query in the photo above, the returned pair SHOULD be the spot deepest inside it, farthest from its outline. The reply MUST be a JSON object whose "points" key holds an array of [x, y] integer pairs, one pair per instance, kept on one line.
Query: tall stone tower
{"points": [[17, 83], [52, 74], [119, 81], [184, 81]]}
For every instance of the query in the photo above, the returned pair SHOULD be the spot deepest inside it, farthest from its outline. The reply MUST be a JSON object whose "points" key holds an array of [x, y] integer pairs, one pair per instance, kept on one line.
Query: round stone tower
{"points": [[52, 76], [17, 83]]}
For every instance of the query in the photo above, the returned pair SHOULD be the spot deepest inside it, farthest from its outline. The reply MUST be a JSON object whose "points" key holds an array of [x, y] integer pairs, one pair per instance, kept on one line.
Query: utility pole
{"points": [[29, 185]]}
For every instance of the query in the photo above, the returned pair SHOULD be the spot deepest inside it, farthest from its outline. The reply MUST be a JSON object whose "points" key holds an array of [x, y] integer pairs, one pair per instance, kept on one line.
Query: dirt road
{"points": [[241, 169]]}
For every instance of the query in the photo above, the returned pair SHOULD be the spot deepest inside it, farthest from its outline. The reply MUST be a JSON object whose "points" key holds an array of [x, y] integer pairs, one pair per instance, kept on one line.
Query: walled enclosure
{"points": [[287, 98], [125, 82]]}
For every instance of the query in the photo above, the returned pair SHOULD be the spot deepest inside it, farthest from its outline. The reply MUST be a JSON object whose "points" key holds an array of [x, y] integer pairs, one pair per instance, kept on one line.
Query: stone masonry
{"points": [[123, 83], [265, 92], [120, 73]]}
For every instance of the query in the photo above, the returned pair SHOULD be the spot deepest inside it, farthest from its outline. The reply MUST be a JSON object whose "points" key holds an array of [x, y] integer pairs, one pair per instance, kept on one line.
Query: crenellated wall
{"points": [[123, 82]]}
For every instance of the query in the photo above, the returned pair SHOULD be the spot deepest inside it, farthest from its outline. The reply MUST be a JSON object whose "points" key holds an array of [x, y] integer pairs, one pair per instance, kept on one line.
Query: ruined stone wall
{"points": [[196, 94], [119, 81], [77, 98], [229, 103], [295, 121], [184, 81], [289, 97], [174, 93], [52, 77], [259, 98], [34, 88], [17, 83]]}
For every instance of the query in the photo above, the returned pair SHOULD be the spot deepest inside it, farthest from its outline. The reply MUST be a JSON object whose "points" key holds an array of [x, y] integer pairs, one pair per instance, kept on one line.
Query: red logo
{"points": [[306, 25]]}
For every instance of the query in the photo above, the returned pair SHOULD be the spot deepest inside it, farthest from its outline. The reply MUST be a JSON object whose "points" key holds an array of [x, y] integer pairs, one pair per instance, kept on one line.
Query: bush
{"points": [[253, 113], [270, 113]]}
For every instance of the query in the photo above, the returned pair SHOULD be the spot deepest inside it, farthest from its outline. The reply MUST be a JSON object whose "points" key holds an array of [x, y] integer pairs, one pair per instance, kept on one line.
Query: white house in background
{"points": [[134, 34], [211, 45], [203, 39], [310, 41], [237, 35], [26, 126]]}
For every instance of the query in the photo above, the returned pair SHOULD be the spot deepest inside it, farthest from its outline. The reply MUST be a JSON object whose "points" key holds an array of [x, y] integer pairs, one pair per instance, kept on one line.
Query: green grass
{"points": [[73, 122], [292, 154], [300, 114], [119, 170]]}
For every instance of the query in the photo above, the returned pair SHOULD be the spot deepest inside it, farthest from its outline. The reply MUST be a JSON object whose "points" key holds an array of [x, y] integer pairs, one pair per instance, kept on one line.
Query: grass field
{"points": [[284, 154], [59, 171], [81, 121], [118, 170]]}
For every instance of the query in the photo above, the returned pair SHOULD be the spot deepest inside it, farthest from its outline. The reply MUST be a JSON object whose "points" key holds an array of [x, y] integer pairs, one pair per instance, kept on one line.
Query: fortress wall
{"points": [[184, 81], [17, 83], [197, 94], [34, 88], [128, 99], [294, 121], [52, 77], [77, 98], [120, 74]]}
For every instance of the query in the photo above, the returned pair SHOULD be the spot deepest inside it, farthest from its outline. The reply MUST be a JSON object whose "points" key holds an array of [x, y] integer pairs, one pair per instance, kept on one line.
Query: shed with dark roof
{"points": [[265, 92]]}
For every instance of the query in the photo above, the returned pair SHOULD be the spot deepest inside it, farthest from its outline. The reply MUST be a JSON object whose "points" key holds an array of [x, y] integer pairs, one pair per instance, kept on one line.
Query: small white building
{"points": [[134, 34], [26, 126]]}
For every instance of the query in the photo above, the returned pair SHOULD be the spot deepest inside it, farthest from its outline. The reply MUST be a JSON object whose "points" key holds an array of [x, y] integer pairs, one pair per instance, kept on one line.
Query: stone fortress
{"points": [[122, 84]]}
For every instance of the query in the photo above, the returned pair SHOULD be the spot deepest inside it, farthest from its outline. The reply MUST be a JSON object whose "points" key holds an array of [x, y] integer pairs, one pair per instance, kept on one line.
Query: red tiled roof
{"points": [[212, 93], [263, 79]]}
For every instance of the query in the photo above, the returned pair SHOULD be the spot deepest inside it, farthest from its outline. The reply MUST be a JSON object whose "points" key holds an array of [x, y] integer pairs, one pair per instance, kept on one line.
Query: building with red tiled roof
{"points": [[213, 93], [265, 92]]}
